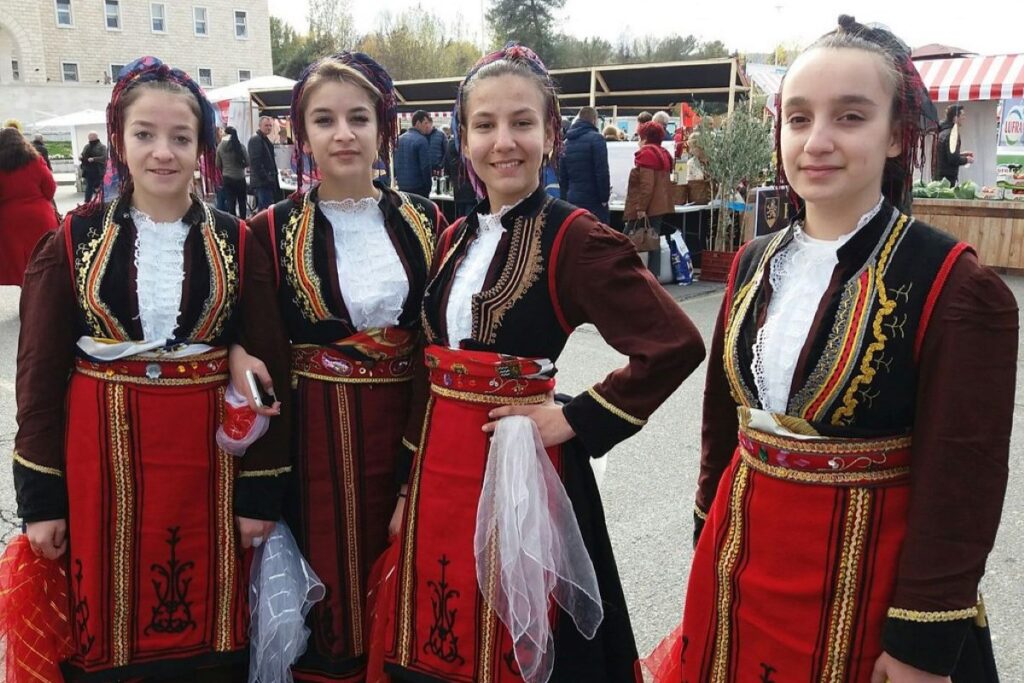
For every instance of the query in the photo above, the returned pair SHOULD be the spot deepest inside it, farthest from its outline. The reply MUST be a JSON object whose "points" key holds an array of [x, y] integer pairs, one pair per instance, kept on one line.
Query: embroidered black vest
{"points": [[858, 371], [312, 305], [515, 316], [101, 250]]}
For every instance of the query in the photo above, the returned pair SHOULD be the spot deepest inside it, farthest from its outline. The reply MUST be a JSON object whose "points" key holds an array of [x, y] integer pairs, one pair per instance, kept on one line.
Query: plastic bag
{"points": [[682, 266], [282, 590], [241, 426], [526, 524]]}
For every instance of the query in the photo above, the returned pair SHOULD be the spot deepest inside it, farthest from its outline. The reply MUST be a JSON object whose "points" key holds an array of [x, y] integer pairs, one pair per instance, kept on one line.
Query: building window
{"points": [[64, 17], [199, 21], [15, 70], [69, 71], [158, 17], [241, 24], [112, 13], [115, 69], [244, 75], [205, 77]]}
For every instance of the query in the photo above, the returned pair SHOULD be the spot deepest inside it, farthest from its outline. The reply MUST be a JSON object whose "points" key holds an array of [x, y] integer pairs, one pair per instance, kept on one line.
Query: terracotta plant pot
{"points": [[715, 265]]}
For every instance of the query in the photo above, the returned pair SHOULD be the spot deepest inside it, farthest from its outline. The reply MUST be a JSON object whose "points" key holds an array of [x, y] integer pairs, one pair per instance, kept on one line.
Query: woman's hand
{"points": [[888, 669], [395, 525], [252, 532], [238, 362], [548, 416], [48, 539]]}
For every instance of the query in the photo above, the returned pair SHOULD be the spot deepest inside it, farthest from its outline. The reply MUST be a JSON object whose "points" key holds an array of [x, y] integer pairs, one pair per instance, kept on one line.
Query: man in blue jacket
{"points": [[413, 171], [583, 171]]}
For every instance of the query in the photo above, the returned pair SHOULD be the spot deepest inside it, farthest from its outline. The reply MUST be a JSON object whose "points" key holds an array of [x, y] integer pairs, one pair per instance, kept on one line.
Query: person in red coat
{"points": [[26, 204]]}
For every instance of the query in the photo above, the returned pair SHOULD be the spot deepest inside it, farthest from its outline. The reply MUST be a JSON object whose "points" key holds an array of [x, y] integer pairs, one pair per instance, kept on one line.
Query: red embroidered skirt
{"points": [[794, 570], [443, 630], [352, 403], [158, 584]]}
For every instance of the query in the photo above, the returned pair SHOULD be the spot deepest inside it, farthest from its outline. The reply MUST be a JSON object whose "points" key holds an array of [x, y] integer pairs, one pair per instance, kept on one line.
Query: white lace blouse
{"points": [[470, 276], [371, 277], [800, 274], [160, 268]]}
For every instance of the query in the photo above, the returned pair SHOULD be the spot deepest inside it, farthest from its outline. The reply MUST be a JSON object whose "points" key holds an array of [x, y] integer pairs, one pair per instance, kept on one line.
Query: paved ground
{"points": [[649, 483]]}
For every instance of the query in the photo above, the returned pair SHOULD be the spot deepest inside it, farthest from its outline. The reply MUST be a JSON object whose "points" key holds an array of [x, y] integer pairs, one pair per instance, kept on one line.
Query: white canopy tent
{"points": [[80, 123], [235, 105]]}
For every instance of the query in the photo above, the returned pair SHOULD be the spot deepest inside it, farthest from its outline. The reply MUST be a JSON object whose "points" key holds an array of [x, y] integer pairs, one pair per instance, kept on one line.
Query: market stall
{"points": [[994, 228]]}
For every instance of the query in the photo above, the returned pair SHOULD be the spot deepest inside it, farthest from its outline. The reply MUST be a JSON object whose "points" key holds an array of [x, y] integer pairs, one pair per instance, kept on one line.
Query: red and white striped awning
{"points": [[996, 77]]}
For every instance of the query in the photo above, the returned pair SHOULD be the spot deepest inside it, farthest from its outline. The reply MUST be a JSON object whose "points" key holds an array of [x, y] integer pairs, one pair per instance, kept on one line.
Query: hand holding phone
{"points": [[261, 396]]}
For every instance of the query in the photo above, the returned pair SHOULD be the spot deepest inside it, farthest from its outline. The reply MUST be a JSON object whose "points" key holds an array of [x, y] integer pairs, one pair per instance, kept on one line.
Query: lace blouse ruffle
{"points": [[160, 268], [471, 274], [799, 276], [371, 277]]}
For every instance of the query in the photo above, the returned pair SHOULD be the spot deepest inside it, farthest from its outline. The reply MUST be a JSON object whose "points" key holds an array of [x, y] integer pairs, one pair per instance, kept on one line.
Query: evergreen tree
{"points": [[531, 22]]}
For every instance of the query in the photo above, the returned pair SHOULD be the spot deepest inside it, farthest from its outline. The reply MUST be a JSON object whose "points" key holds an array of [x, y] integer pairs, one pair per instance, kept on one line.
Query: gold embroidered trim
{"points": [[222, 259], [844, 604], [124, 516], [334, 379], [408, 564], [844, 414], [34, 467], [741, 302], [409, 444], [617, 412], [700, 513], [837, 447], [726, 565], [488, 618], [488, 398], [297, 259], [348, 483], [522, 270], [827, 478], [932, 617], [265, 473], [91, 261], [119, 378], [226, 542], [420, 225]]}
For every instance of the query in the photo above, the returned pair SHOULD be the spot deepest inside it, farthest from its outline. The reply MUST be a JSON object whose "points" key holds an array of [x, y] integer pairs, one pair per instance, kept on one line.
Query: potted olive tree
{"points": [[738, 148]]}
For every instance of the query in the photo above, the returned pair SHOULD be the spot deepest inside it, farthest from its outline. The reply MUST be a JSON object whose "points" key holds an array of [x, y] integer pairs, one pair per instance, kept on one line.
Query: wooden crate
{"points": [[715, 265], [994, 229]]}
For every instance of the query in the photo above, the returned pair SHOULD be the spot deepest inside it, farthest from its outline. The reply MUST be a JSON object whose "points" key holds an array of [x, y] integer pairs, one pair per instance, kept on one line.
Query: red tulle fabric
{"points": [[380, 607], [33, 615], [665, 663]]}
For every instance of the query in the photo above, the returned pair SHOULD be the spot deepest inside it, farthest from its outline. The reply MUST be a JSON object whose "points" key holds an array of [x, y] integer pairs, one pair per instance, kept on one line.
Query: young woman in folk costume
{"points": [[857, 411], [122, 365], [492, 534], [351, 259]]}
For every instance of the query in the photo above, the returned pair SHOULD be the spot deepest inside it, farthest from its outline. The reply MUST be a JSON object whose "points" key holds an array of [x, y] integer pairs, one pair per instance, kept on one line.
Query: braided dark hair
{"points": [[913, 112], [234, 144]]}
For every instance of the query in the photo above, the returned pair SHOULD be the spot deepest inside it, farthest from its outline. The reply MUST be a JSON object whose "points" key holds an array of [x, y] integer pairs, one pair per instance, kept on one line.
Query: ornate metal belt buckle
{"points": [[153, 371]]}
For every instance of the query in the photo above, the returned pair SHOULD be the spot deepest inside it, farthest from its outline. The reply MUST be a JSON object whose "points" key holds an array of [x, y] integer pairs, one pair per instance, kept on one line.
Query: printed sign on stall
{"points": [[1011, 133]]}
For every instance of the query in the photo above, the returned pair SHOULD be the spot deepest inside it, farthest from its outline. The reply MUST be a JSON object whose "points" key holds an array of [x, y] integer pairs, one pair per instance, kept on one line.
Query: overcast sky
{"points": [[983, 26]]}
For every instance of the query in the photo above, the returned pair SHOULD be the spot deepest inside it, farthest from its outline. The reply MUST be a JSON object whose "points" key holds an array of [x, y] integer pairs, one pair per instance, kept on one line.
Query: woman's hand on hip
{"points": [[48, 539], [548, 416], [888, 669]]}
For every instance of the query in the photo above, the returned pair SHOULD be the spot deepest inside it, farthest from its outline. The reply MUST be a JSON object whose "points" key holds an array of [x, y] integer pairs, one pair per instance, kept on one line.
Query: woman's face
{"points": [[506, 136], [837, 129], [161, 144], [341, 131]]}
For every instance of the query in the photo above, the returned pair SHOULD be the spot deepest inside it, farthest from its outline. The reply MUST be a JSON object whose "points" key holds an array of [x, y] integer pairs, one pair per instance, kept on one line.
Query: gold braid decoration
{"points": [[932, 617], [886, 308]]}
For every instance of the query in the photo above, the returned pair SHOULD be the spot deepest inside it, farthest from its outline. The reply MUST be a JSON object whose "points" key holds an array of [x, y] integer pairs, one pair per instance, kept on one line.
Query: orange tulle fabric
{"points": [[380, 606], [33, 615]]}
